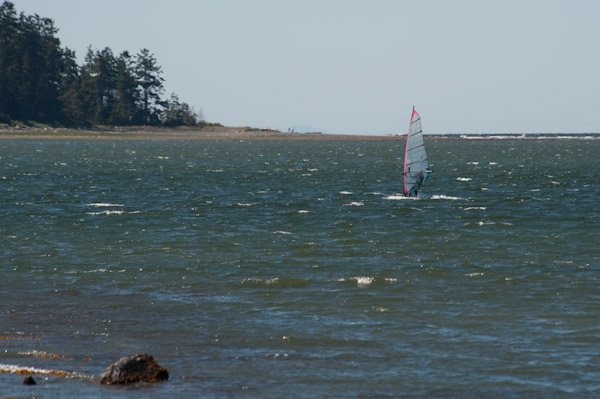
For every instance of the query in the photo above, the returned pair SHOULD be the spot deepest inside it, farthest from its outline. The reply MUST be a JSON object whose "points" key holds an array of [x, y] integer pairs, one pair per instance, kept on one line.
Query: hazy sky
{"points": [[343, 66]]}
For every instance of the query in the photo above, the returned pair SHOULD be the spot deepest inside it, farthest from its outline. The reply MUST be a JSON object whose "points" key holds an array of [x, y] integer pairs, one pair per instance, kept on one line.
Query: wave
{"points": [[533, 136], [362, 281], [16, 369], [44, 355], [104, 204], [482, 223], [106, 213], [464, 179], [445, 197], [276, 282], [355, 203]]}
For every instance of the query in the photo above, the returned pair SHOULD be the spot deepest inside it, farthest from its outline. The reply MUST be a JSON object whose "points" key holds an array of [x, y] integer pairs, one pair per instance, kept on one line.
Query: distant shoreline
{"points": [[181, 134], [243, 133]]}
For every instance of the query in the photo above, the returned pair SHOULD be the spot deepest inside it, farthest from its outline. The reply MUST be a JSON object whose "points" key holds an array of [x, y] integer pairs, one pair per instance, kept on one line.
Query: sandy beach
{"points": [[210, 133]]}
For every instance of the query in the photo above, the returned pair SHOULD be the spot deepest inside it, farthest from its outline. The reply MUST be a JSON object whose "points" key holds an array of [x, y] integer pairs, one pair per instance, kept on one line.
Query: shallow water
{"points": [[278, 269]]}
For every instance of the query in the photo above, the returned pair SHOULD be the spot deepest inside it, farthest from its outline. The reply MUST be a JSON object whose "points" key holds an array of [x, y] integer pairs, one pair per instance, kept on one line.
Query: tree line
{"points": [[41, 81]]}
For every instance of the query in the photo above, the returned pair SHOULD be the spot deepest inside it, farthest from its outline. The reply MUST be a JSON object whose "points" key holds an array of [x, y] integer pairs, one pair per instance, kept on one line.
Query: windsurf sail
{"points": [[416, 165]]}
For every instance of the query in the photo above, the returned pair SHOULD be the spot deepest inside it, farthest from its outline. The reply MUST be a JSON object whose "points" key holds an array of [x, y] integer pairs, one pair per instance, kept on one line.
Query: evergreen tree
{"points": [[9, 31], [70, 93], [99, 85], [148, 72], [40, 81], [178, 113], [125, 109], [30, 66]]}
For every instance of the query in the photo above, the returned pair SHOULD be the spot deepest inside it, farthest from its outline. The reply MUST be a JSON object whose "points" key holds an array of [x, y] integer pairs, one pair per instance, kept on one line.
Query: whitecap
{"points": [[478, 208], [16, 369], [380, 309], [346, 192], [103, 204], [360, 281], [355, 203], [472, 163], [260, 280], [474, 274], [464, 179], [105, 213], [302, 211], [282, 232], [243, 204], [445, 197], [398, 197]]}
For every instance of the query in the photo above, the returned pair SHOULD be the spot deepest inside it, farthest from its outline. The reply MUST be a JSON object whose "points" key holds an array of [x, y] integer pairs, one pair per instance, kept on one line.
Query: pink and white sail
{"points": [[416, 165]]}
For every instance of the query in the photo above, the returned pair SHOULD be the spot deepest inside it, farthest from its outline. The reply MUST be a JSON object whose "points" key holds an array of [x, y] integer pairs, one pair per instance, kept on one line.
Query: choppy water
{"points": [[295, 269]]}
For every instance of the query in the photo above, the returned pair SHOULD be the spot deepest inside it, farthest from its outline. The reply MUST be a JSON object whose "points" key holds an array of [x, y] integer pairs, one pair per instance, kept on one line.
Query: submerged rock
{"points": [[29, 380], [132, 369]]}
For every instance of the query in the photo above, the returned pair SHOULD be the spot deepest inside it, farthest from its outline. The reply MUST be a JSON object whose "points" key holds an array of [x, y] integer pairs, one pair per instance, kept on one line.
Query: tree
{"points": [[127, 93], [40, 81], [177, 113], [70, 92], [30, 66], [8, 60], [99, 85], [148, 75]]}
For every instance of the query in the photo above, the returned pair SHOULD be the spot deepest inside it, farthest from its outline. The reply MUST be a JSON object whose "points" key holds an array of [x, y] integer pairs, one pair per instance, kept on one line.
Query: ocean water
{"points": [[278, 269]]}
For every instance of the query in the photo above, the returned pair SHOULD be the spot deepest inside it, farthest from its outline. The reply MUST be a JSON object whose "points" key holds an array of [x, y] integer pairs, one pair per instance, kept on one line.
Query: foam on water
{"points": [[355, 203], [17, 369], [104, 205], [398, 197], [445, 197], [107, 213]]}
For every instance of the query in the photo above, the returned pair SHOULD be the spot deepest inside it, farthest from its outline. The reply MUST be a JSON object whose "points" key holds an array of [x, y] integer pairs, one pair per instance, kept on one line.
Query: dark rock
{"points": [[29, 380], [132, 369]]}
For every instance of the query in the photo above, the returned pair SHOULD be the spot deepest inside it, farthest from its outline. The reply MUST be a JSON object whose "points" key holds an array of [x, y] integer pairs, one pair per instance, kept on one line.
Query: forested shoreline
{"points": [[41, 82]]}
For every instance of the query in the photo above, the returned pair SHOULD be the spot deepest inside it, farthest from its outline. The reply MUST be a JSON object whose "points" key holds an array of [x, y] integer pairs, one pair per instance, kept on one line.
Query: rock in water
{"points": [[132, 369], [29, 380]]}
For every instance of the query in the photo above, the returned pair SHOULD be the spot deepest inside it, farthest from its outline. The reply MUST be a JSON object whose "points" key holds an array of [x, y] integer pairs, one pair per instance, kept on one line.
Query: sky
{"points": [[358, 67]]}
